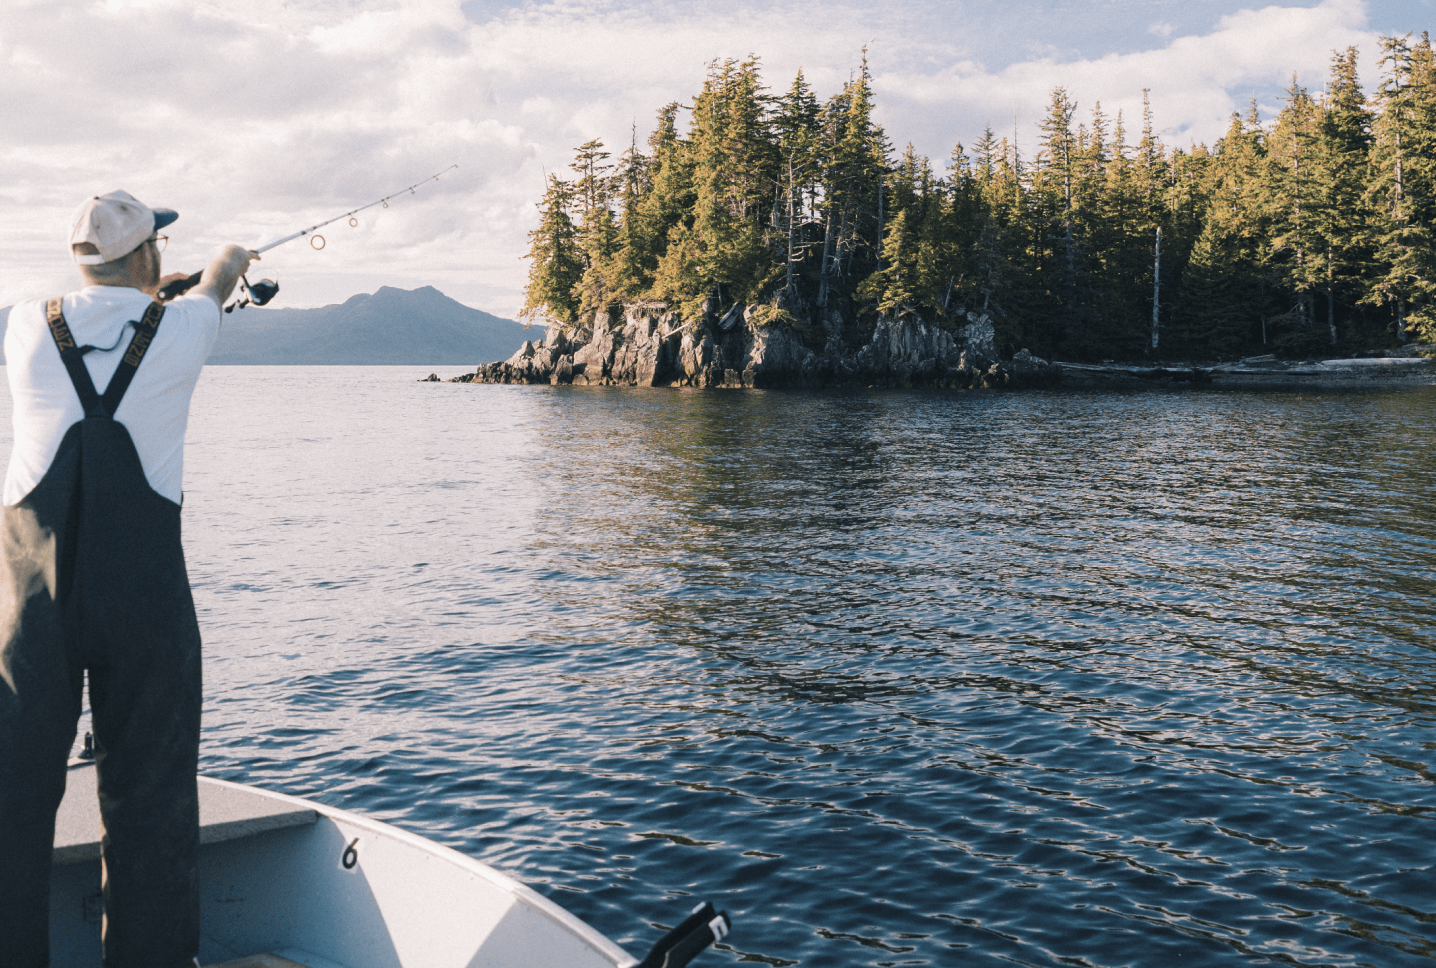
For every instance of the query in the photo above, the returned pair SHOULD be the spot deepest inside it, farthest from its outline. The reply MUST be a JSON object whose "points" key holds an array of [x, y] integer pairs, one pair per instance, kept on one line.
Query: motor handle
{"points": [[678, 947]]}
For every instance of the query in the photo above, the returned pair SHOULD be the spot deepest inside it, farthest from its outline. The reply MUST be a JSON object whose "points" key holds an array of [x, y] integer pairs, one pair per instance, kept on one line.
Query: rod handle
{"points": [[179, 287]]}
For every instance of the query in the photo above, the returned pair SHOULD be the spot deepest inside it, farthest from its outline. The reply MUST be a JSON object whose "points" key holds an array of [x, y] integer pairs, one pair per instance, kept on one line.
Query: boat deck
{"points": [[260, 961], [225, 813], [289, 883]]}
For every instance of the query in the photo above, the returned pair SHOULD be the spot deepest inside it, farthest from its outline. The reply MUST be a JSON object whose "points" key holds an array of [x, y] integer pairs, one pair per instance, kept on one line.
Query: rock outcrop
{"points": [[645, 344]]}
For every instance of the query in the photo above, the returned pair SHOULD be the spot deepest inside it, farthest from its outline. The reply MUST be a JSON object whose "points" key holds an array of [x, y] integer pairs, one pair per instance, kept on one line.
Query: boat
{"points": [[290, 883]]}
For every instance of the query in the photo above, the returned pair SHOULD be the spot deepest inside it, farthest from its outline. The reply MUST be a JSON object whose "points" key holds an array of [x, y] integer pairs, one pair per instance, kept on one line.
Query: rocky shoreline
{"points": [[646, 344], [1400, 368]]}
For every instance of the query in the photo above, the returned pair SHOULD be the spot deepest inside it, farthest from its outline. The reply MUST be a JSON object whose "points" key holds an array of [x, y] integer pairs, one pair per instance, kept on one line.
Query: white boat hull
{"points": [[326, 888]]}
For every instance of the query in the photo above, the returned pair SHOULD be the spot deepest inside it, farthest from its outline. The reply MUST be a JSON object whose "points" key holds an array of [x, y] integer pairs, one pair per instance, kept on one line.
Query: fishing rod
{"points": [[261, 292]]}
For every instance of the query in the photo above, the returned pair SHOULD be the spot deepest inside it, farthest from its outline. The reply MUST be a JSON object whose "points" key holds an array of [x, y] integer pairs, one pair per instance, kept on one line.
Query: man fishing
{"points": [[92, 580]]}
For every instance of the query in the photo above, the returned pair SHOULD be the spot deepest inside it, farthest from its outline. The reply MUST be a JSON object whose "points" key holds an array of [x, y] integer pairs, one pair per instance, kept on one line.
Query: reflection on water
{"points": [[896, 679]]}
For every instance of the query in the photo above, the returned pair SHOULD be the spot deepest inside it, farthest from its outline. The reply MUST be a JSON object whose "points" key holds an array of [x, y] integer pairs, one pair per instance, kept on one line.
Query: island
{"points": [[778, 240]]}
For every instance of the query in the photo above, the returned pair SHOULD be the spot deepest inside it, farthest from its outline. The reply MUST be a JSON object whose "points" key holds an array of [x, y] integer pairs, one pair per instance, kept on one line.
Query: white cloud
{"points": [[1161, 29], [256, 120], [1195, 82]]}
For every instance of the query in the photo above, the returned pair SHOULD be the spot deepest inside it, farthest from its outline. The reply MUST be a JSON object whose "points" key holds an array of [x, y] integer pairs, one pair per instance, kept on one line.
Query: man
{"points": [[92, 580]]}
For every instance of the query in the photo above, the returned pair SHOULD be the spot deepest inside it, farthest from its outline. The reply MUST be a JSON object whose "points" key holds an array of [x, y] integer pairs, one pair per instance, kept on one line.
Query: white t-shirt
{"points": [[155, 408]]}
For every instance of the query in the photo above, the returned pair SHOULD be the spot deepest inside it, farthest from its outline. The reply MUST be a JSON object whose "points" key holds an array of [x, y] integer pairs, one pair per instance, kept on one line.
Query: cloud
{"points": [[1196, 82], [257, 120], [1161, 29]]}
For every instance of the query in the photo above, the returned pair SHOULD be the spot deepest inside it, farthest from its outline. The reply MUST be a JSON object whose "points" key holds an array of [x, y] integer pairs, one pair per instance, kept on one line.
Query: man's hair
{"points": [[116, 270]]}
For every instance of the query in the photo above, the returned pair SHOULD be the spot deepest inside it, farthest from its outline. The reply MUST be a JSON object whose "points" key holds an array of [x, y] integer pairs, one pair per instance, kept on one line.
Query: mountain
{"points": [[409, 326], [416, 326]]}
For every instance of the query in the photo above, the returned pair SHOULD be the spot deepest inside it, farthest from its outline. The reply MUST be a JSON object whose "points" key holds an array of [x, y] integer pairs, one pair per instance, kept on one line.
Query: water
{"points": [[896, 679]]}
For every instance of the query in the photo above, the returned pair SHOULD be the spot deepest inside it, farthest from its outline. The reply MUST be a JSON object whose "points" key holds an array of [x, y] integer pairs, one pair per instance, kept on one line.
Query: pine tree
{"points": [[1293, 190], [592, 192], [734, 185], [1299, 236], [1180, 218], [667, 212], [1007, 251], [722, 255], [555, 265], [1152, 176], [630, 267], [1403, 189], [1119, 249], [1227, 289], [855, 150], [961, 225], [1343, 218], [796, 130], [1054, 203], [904, 281]]}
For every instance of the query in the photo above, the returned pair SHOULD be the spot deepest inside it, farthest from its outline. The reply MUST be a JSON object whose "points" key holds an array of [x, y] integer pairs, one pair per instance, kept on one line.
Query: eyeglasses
{"points": [[159, 241]]}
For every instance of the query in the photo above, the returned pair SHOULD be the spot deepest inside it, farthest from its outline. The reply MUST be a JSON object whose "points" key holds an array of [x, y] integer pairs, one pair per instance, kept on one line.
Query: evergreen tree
{"points": [[1007, 250], [1316, 231], [555, 265], [667, 211], [597, 233], [961, 225], [1403, 189], [733, 174], [1054, 211], [630, 266], [1292, 193], [1152, 177], [855, 150], [1343, 219], [796, 129], [911, 252], [1179, 221], [1227, 290], [592, 189]]}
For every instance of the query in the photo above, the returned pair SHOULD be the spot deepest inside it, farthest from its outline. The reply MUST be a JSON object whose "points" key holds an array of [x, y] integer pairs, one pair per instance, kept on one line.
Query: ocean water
{"points": [[948, 679]]}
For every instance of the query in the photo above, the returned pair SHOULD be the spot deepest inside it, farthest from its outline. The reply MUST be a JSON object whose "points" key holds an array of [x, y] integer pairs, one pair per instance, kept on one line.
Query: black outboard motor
{"points": [[681, 945]]}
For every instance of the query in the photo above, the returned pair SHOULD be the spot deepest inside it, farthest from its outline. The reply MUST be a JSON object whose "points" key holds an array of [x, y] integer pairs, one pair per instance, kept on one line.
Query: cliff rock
{"points": [[645, 344]]}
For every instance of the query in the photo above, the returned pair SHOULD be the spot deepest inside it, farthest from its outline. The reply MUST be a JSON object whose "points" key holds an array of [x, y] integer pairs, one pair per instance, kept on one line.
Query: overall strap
{"points": [[145, 329], [73, 359]]}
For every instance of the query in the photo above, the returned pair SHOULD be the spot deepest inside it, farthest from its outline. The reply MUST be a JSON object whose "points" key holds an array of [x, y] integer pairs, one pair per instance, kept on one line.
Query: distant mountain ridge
{"points": [[410, 326], [392, 326]]}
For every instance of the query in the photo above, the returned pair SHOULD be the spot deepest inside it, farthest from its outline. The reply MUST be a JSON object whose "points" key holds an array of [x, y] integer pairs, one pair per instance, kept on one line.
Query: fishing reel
{"points": [[255, 294]]}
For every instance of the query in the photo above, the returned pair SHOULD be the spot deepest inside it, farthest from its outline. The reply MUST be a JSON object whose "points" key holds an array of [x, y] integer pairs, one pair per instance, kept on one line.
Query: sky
{"points": [[256, 120]]}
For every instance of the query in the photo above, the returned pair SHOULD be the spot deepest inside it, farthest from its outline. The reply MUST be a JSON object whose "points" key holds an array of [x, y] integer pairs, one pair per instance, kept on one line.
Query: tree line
{"points": [[1310, 233]]}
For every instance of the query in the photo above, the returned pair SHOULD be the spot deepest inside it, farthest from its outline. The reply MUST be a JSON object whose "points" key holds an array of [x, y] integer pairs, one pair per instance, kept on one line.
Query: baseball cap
{"points": [[115, 224]]}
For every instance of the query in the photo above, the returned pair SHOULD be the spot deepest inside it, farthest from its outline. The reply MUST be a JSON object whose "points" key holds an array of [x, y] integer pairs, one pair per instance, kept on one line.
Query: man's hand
{"points": [[219, 277]]}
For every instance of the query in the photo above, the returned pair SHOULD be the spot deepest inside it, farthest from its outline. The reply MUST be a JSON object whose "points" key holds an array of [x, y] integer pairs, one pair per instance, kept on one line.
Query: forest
{"points": [[1310, 233]]}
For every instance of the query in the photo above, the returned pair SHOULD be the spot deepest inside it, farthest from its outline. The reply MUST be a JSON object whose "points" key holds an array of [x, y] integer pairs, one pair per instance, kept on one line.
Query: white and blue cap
{"points": [[109, 227]]}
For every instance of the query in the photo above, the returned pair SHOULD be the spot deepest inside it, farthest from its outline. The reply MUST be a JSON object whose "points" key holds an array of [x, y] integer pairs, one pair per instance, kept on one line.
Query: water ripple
{"points": [[897, 679]]}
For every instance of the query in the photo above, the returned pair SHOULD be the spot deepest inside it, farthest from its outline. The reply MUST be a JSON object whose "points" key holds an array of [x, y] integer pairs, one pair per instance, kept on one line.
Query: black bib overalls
{"points": [[92, 579]]}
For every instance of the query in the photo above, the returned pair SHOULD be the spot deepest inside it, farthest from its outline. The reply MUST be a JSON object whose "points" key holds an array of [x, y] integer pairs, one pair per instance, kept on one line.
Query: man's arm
{"points": [[219, 277]]}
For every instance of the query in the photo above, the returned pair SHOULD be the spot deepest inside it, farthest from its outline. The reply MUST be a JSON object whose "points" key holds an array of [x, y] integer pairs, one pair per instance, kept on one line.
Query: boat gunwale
{"points": [[521, 891]]}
